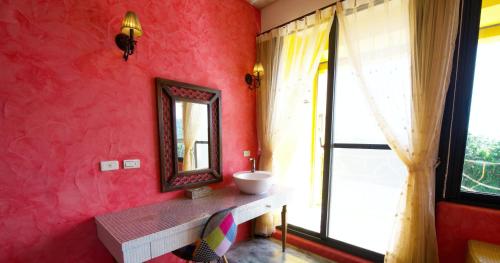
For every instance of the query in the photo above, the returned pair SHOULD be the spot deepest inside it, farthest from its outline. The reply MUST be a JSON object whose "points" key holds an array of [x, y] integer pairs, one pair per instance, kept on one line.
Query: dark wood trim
{"points": [[161, 129], [210, 143], [191, 172], [172, 117], [362, 146], [219, 134], [284, 227], [328, 151], [183, 99], [171, 188], [174, 83], [214, 99], [305, 232], [165, 88]]}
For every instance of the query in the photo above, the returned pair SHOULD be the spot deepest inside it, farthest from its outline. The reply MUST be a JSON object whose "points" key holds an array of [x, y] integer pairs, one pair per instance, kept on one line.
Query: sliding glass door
{"points": [[356, 178]]}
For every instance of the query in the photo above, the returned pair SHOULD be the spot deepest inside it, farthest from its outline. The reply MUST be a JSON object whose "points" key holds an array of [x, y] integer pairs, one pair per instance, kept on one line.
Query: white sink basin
{"points": [[256, 183]]}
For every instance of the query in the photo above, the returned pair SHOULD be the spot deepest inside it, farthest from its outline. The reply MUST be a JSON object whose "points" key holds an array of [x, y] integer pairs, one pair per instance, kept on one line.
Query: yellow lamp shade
{"points": [[131, 21], [258, 69]]}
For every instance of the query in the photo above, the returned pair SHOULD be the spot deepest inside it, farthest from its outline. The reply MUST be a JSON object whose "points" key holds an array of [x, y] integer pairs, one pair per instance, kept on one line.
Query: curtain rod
{"points": [[357, 8], [300, 17]]}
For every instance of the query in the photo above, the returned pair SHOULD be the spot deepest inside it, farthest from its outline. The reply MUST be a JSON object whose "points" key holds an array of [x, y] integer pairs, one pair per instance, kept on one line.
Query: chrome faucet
{"points": [[252, 160]]}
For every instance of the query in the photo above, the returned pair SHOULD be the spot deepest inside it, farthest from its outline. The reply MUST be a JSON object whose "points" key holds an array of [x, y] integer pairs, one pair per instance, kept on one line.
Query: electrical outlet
{"points": [[131, 164], [246, 153], [109, 165]]}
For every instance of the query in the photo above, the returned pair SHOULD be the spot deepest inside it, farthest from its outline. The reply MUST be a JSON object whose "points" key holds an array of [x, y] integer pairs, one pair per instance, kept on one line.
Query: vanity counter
{"points": [[142, 233]]}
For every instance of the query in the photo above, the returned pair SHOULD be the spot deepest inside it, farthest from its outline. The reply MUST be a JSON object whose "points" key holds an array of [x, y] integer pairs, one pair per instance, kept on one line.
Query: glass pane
{"points": [[353, 120], [365, 193], [305, 212], [481, 170], [192, 132]]}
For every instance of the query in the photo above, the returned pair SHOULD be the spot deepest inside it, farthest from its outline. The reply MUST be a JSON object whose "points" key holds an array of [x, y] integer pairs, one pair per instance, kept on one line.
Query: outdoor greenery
{"points": [[481, 172]]}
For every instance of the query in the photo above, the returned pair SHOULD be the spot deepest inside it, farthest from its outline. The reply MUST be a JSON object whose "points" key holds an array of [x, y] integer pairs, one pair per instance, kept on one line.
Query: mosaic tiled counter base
{"points": [[142, 233]]}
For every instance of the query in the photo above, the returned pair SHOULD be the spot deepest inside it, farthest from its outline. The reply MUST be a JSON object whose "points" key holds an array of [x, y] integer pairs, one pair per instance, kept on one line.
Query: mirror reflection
{"points": [[192, 135]]}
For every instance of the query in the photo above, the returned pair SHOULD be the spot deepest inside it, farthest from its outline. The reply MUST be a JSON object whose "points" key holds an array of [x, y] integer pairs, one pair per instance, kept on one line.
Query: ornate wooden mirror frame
{"points": [[168, 92]]}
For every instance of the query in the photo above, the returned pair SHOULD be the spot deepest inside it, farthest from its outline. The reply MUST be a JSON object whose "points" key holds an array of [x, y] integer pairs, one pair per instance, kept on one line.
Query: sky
{"points": [[485, 108]]}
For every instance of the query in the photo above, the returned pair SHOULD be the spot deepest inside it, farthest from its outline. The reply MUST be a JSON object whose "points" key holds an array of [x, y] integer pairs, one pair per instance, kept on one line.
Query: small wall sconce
{"points": [[253, 81], [125, 40]]}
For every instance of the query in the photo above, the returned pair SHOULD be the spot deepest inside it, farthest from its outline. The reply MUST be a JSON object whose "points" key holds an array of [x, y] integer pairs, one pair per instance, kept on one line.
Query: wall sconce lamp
{"points": [[125, 40], [253, 81]]}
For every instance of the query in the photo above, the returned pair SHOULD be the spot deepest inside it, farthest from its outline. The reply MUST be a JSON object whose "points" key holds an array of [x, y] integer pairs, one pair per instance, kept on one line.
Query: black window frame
{"points": [[456, 114]]}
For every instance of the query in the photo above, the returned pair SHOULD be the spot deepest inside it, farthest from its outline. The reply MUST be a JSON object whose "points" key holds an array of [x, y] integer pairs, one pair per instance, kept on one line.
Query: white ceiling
{"points": [[261, 3]]}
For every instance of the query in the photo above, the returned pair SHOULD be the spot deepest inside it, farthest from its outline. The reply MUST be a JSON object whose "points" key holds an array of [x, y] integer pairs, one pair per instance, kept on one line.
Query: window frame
{"points": [[456, 114]]}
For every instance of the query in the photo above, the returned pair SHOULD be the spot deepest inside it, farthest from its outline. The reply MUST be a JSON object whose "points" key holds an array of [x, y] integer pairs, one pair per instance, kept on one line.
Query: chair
{"points": [[218, 234]]}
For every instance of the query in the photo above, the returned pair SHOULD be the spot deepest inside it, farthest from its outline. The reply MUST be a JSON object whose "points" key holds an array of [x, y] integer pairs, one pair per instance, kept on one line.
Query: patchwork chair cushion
{"points": [[218, 234]]}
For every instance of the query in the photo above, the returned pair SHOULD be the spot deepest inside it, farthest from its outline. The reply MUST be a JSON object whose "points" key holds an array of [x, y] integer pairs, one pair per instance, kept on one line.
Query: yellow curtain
{"points": [[401, 51], [290, 56], [268, 53]]}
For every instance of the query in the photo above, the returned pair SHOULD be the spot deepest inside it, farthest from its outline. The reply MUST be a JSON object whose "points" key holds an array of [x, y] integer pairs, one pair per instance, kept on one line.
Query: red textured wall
{"points": [[458, 223], [68, 101]]}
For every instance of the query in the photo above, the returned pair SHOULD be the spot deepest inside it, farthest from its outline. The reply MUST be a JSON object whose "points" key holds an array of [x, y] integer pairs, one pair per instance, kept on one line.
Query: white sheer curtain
{"points": [[269, 48], [374, 42], [400, 52], [299, 63], [286, 98]]}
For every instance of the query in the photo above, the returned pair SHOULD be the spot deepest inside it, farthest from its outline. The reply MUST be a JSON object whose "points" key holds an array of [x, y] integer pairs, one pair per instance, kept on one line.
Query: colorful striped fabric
{"points": [[221, 235]]}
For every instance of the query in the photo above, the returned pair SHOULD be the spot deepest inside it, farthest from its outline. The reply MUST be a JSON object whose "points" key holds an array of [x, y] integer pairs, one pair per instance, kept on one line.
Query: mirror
{"points": [[189, 134], [191, 121]]}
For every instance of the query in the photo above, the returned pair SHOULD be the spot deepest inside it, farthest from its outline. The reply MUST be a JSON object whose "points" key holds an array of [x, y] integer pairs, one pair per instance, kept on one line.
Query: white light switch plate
{"points": [[109, 166], [131, 164], [246, 153]]}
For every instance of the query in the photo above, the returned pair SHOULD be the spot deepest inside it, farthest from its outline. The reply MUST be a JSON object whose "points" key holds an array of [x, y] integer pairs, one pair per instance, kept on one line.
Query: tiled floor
{"points": [[269, 251]]}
